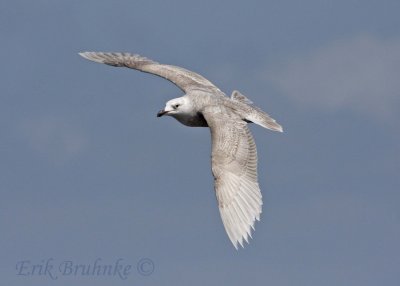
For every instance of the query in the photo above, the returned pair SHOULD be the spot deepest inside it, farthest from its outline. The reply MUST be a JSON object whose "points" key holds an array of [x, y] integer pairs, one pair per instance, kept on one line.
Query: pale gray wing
{"points": [[234, 166], [184, 79]]}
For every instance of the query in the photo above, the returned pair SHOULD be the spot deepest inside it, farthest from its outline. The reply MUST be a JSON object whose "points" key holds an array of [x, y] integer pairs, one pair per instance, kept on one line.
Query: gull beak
{"points": [[161, 113]]}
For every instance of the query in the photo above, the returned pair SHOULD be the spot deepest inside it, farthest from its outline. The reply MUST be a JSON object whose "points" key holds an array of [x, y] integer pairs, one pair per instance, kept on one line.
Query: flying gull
{"points": [[234, 154]]}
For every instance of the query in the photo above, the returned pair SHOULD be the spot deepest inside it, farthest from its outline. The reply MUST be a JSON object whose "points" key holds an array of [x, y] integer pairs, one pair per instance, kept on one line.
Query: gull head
{"points": [[176, 107]]}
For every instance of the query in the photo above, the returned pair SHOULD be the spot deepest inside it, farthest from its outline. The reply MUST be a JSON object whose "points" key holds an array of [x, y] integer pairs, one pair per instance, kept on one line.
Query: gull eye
{"points": [[176, 105]]}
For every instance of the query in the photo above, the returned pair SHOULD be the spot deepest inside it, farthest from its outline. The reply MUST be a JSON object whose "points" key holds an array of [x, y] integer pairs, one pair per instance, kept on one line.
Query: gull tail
{"points": [[255, 114]]}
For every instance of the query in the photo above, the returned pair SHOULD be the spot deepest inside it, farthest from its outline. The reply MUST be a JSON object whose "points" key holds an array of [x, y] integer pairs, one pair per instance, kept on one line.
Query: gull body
{"points": [[234, 154]]}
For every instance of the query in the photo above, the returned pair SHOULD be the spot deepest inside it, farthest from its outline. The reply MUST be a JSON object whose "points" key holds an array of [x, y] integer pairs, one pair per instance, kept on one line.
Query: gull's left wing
{"points": [[184, 79]]}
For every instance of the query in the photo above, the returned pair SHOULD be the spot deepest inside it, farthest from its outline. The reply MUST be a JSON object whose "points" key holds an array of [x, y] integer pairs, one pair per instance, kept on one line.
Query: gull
{"points": [[233, 152]]}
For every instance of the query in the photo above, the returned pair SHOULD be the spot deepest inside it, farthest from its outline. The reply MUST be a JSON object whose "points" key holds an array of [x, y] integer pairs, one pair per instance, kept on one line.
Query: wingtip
{"points": [[92, 56], [82, 54], [85, 55], [235, 245], [241, 243], [244, 238]]}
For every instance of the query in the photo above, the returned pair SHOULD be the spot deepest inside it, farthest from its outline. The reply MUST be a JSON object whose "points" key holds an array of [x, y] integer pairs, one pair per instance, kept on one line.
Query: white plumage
{"points": [[234, 154]]}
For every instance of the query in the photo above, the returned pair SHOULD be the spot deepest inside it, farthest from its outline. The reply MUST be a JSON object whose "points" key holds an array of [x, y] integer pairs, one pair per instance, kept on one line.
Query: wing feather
{"points": [[234, 166], [184, 79]]}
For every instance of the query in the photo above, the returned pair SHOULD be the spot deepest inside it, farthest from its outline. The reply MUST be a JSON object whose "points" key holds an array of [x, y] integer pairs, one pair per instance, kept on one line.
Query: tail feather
{"points": [[255, 114], [263, 119]]}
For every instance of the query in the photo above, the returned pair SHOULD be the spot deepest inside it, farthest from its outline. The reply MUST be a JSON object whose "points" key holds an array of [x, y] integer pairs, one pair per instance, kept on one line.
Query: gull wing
{"points": [[234, 166], [184, 79]]}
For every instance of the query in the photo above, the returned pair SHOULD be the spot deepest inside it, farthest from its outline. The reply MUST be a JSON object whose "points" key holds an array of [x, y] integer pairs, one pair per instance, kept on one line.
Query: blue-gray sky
{"points": [[88, 171]]}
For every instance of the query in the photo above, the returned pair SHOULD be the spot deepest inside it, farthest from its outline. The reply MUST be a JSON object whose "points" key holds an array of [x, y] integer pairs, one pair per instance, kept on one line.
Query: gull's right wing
{"points": [[234, 166]]}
